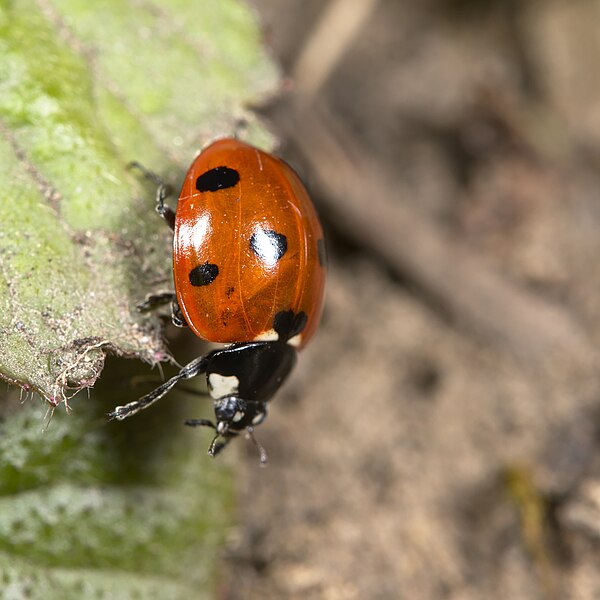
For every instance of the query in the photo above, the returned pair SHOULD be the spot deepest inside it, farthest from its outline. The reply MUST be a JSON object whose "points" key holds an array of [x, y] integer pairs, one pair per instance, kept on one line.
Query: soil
{"points": [[433, 445]]}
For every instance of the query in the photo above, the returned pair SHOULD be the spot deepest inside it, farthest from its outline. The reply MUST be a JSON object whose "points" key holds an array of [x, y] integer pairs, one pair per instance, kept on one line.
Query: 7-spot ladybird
{"points": [[249, 271]]}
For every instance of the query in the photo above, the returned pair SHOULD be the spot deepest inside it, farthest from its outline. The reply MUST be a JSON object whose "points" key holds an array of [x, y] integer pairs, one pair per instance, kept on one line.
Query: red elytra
{"points": [[248, 244]]}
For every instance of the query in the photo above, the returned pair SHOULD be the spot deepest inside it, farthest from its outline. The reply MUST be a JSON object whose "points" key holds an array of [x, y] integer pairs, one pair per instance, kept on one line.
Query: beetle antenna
{"points": [[200, 423], [264, 459], [215, 447]]}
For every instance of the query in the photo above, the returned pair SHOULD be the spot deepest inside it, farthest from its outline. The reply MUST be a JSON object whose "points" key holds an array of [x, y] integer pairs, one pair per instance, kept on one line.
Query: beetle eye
{"points": [[237, 417], [259, 418]]}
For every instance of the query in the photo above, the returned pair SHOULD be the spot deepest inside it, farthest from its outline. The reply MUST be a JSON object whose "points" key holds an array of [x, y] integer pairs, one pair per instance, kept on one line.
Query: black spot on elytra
{"points": [[219, 178], [287, 324], [321, 252], [268, 245], [203, 274], [229, 291]]}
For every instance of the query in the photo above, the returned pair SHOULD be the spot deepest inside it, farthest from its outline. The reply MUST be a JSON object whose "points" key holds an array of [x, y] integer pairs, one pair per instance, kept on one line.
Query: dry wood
{"points": [[330, 39], [362, 201]]}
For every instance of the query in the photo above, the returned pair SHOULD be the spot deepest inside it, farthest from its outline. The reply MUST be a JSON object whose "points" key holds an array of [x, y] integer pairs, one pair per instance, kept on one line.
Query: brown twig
{"points": [[363, 202], [339, 24]]}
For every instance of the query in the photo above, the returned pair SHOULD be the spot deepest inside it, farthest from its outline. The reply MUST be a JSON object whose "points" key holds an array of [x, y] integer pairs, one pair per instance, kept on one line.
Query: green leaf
{"points": [[85, 89], [91, 509], [86, 511]]}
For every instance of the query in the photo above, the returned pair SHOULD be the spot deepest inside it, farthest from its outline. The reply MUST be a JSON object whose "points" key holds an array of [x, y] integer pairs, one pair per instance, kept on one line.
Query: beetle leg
{"points": [[196, 367], [155, 300], [168, 214], [162, 191], [177, 317]]}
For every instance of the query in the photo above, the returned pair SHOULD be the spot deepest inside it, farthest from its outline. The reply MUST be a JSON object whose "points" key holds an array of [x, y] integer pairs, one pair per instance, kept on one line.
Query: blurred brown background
{"points": [[440, 437]]}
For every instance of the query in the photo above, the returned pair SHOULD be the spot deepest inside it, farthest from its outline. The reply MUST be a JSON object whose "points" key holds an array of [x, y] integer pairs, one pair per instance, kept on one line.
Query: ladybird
{"points": [[249, 272]]}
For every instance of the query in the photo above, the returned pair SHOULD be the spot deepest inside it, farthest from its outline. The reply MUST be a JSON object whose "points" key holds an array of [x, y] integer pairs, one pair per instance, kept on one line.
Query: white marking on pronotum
{"points": [[221, 385], [295, 341], [267, 336], [238, 417]]}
